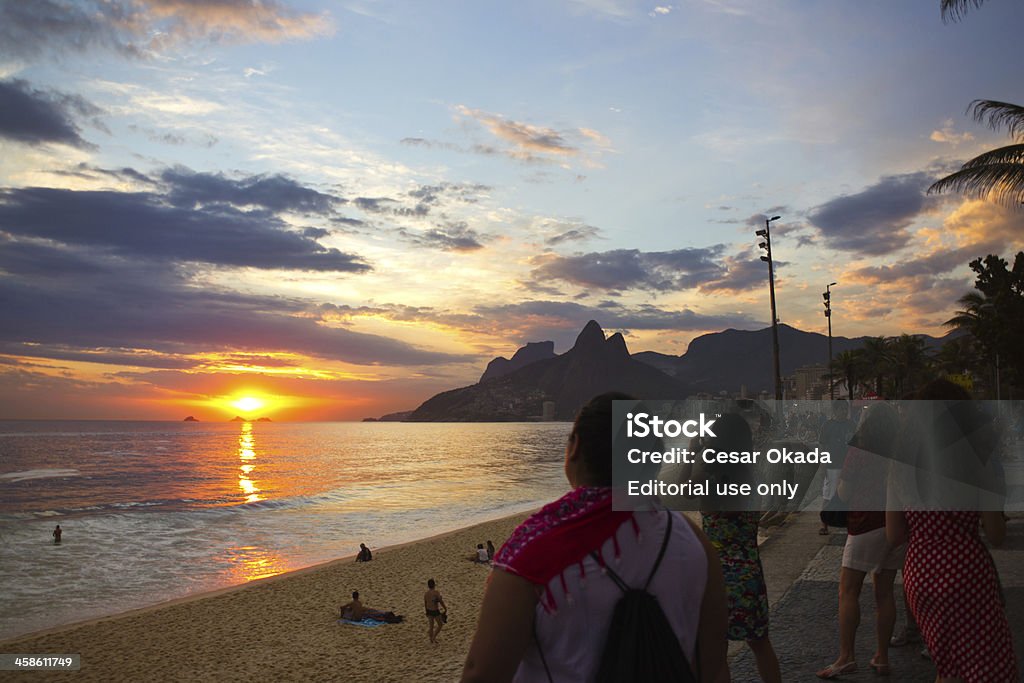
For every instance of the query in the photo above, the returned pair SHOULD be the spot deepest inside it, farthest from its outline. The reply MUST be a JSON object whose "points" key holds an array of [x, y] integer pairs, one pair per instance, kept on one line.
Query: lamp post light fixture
{"points": [[827, 296], [766, 244]]}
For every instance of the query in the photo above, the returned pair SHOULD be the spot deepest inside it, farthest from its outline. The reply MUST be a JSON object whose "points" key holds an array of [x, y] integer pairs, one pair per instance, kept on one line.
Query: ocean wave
{"points": [[38, 474]]}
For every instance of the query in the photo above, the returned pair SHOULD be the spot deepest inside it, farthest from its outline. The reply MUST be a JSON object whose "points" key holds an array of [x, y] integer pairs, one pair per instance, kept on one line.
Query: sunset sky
{"points": [[341, 208]]}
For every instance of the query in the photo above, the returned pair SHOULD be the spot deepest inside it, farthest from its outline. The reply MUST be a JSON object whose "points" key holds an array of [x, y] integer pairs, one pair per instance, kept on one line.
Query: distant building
{"points": [[808, 383]]}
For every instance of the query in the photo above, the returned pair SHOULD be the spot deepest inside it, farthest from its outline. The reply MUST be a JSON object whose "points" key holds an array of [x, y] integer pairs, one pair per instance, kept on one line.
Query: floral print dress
{"points": [[734, 535]]}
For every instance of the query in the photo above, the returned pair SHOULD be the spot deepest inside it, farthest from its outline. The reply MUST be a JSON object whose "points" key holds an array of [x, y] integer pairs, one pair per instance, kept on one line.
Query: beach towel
{"points": [[367, 622]]}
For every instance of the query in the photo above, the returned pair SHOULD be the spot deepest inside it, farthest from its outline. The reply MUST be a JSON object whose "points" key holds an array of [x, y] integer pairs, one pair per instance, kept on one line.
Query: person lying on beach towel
{"points": [[355, 611]]}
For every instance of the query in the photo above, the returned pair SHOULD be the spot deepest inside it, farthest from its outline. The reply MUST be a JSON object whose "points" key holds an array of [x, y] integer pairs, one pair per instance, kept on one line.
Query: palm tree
{"points": [[849, 364], [876, 360], [910, 361], [954, 9], [999, 173]]}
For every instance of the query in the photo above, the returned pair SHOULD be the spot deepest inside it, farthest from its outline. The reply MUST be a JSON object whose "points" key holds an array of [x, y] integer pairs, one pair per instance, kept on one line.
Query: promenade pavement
{"points": [[802, 572]]}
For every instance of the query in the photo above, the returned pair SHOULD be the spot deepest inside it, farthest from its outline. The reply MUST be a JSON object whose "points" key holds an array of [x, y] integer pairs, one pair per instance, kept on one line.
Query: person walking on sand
{"points": [[437, 611], [490, 551], [56, 535]]}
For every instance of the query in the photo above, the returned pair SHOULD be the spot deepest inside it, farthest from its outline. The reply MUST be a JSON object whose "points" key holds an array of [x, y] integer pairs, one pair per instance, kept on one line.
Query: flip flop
{"points": [[833, 671], [880, 669]]}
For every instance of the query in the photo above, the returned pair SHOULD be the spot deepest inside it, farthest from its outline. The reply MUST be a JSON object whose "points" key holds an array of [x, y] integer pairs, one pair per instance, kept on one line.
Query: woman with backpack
{"points": [[556, 603]]}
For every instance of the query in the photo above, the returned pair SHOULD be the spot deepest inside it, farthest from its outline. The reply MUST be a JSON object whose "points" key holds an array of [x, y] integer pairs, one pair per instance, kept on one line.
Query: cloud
{"points": [[140, 28], [947, 135], [451, 237], [660, 10], [633, 269], [34, 116], [532, 143], [578, 234], [101, 307], [741, 272], [146, 225], [522, 135], [874, 222], [276, 193], [561, 321]]}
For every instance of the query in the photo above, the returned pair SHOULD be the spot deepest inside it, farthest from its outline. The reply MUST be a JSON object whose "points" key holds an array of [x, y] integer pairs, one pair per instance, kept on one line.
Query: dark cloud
{"points": [[742, 272], [464, 192], [136, 313], [562, 320], [142, 225], [633, 269], [577, 234], [277, 193], [34, 116], [932, 265], [454, 237], [138, 28], [874, 222]]}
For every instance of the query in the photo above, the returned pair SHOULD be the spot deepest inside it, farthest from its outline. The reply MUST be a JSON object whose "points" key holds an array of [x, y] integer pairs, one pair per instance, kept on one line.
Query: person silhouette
{"points": [[56, 534]]}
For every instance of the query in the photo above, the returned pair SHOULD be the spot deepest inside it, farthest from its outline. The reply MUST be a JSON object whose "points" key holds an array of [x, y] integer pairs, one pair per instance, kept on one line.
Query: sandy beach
{"points": [[285, 628]]}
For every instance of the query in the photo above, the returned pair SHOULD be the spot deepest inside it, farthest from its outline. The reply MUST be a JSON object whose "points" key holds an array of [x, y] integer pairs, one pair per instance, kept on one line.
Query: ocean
{"points": [[152, 511]]}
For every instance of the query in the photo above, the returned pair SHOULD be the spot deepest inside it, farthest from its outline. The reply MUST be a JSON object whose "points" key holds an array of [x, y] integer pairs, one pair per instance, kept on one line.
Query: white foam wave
{"points": [[38, 474]]}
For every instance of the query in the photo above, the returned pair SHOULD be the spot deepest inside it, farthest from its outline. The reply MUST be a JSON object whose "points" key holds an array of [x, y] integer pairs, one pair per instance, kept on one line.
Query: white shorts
{"points": [[871, 553], [829, 482]]}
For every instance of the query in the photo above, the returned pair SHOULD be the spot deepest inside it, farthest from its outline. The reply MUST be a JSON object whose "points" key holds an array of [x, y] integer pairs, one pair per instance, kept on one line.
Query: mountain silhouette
{"points": [[728, 360], [594, 365], [532, 352]]}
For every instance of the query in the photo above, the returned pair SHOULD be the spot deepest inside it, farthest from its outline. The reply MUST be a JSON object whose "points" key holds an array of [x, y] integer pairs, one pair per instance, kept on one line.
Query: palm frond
{"points": [[999, 114], [955, 9], [1002, 183], [1008, 154]]}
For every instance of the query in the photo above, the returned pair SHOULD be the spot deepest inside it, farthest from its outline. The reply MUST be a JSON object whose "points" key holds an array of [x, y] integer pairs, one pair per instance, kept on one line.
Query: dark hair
{"points": [[480, 546], [355, 595], [593, 431], [430, 584], [878, 430], [840, 409]]}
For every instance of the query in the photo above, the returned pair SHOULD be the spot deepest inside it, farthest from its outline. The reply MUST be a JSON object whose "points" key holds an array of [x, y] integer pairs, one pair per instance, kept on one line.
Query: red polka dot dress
{"points": [[953, 592]]}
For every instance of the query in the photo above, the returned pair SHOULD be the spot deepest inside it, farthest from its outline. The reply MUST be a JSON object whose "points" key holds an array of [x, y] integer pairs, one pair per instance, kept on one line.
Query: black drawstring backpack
{"points": [[641, 645]]}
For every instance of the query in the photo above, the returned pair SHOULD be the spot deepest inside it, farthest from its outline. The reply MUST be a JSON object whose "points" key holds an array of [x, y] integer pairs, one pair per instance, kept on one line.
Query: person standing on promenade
{"points": [[56, 535], [862, 485], [834, 436], [437, 611], [950, 578], [734, 535], [548, 605]]}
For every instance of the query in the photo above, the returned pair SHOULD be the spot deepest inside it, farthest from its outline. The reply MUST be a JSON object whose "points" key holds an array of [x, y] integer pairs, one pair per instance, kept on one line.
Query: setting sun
{"points": [[248, 403]]}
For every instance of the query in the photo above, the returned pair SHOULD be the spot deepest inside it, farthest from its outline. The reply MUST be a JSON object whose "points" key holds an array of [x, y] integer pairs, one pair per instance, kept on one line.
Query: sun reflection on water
{"points": [[247, 452]]}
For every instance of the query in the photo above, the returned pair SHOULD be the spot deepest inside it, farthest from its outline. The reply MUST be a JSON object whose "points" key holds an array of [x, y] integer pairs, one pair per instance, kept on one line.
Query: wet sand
{"points": [[284, 628]]}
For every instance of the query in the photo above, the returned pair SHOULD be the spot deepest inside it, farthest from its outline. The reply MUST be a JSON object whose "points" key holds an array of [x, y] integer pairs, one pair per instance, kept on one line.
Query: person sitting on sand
{"points": [[357, 611], [437, 611], [481, 554], [364, 554]]}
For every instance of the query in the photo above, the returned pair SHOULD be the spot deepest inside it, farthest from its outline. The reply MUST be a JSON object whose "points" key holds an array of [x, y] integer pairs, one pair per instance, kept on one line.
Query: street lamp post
{"points": [[767, 258], [828, 315]]}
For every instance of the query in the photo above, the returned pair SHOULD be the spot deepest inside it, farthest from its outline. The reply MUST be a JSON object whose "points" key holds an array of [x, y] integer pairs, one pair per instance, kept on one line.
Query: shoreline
{"points": [[254, 583], [285, 626]]}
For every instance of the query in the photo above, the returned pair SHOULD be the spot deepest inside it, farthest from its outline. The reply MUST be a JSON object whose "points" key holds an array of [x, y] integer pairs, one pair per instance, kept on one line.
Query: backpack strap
{"points": [[623, 586], [661, 553]]}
